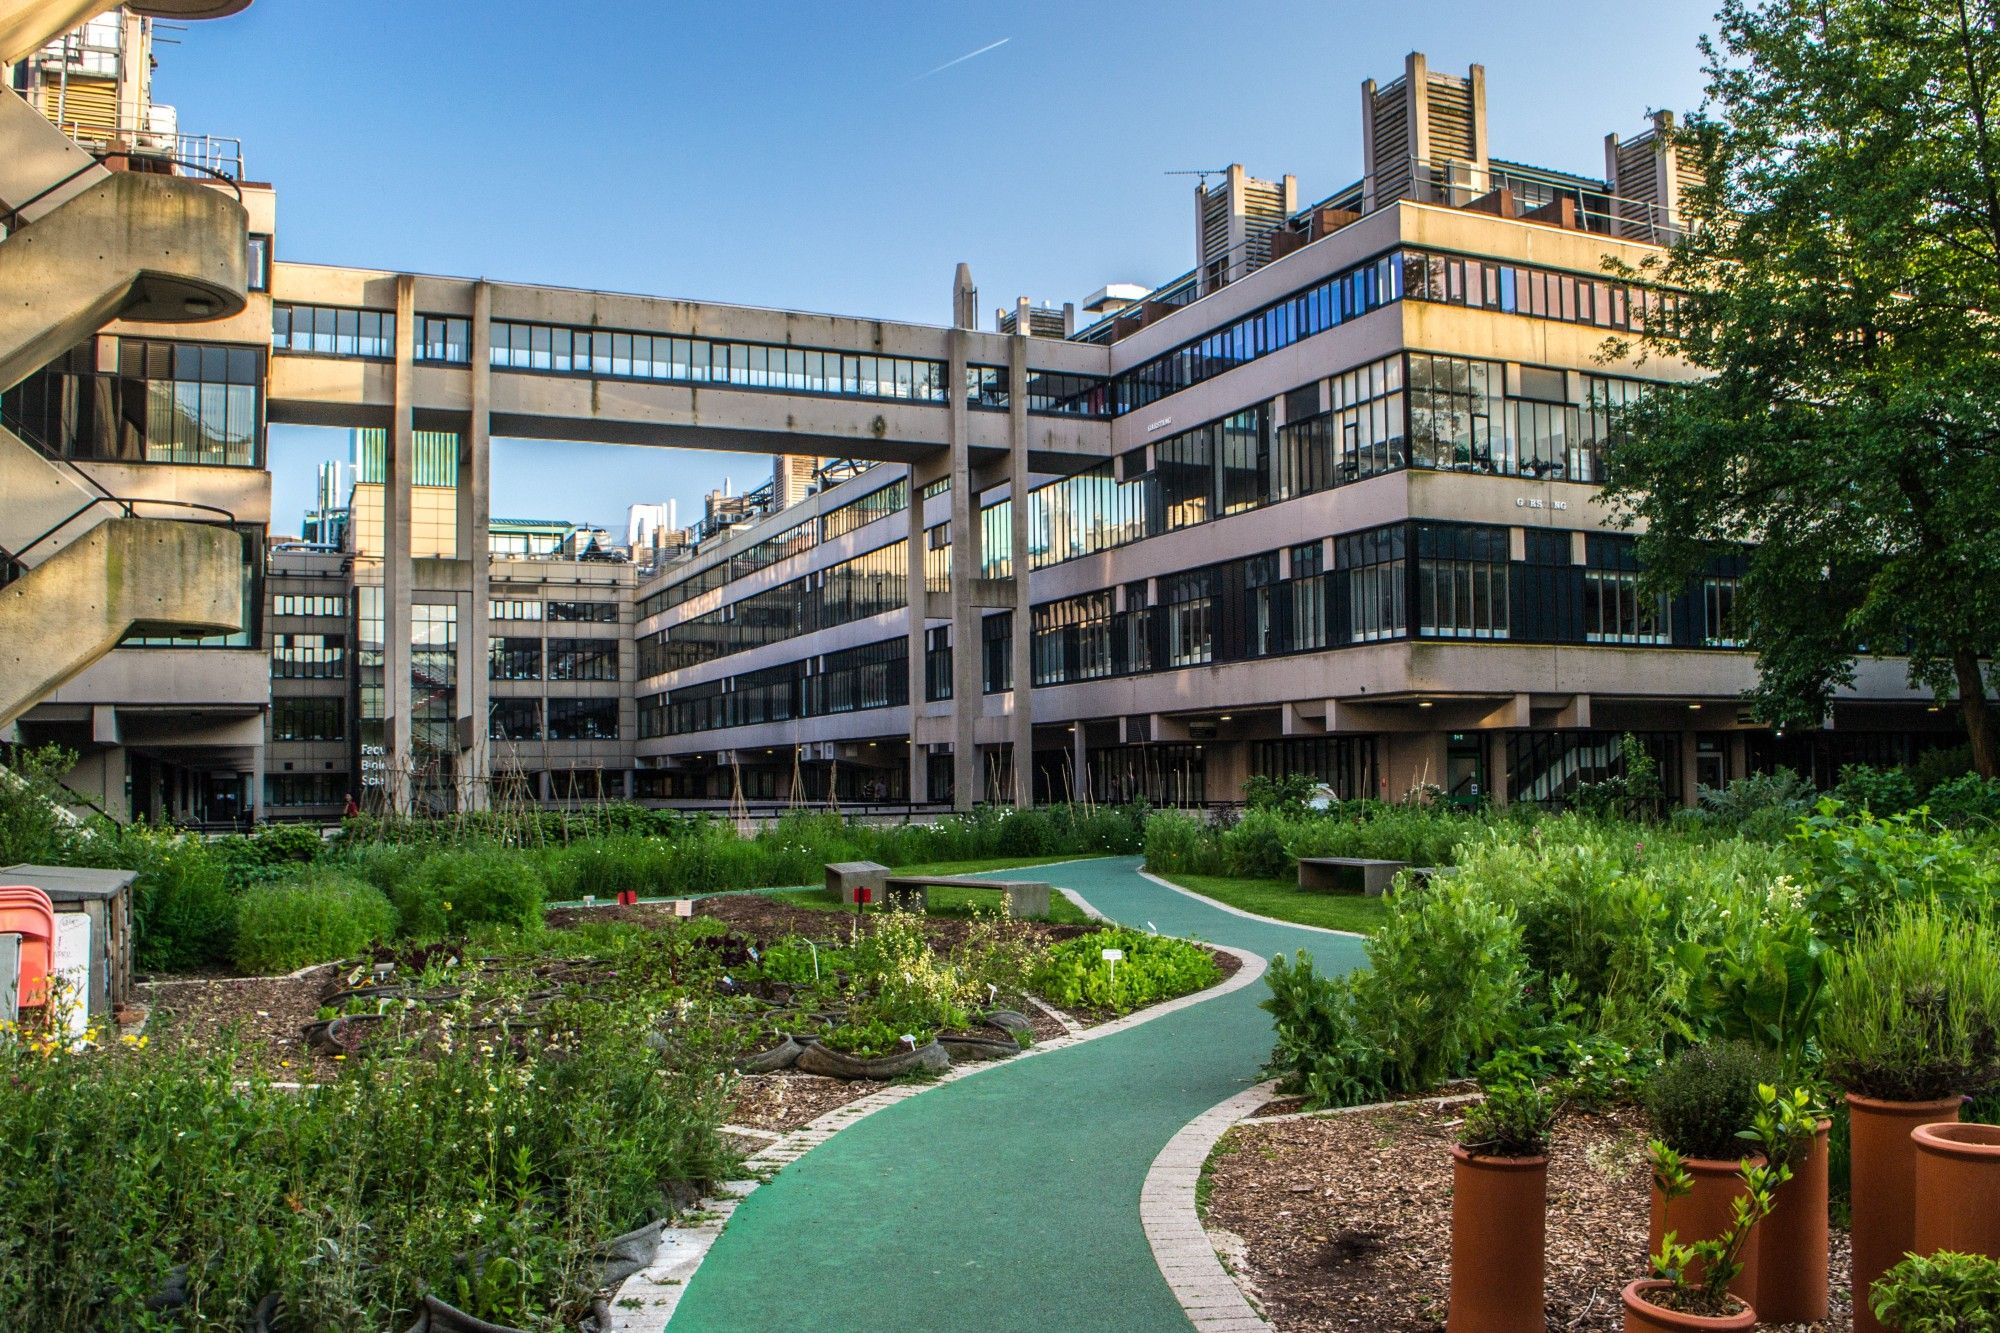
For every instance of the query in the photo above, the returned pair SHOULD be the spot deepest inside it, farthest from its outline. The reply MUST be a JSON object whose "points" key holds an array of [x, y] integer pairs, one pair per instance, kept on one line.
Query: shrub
{"points": [[1939, 766], [1513, 1119], [316, 919], [1913, 1008], [1155, 967], [1255, 847], [1286, 795], [1180, 843], [1945, 1292], [31, 796], [183, 909], [269, 853], [1966, 800], [457, 891], [1763, 805], [1443, 988], [1706, 1096], [1860, 865], [1882, 791]]}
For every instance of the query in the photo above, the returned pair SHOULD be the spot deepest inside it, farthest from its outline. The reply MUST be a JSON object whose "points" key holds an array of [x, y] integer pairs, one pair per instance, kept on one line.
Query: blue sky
{"points": [[815, 155]]}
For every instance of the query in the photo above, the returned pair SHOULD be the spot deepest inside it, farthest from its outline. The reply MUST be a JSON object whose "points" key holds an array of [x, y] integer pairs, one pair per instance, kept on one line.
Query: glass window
{"points": [[1373, 564], [514, 719], [1462, 582], [308, 656], [514, 659], [583, 659], [583, 719]]}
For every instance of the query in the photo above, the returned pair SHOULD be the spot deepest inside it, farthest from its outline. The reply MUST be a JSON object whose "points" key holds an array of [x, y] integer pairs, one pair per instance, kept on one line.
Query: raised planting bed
{"points": [[1343, 1222]]}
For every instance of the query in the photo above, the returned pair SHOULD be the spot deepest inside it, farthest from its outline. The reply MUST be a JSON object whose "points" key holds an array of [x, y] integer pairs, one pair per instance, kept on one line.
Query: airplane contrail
{"points": [[962, 59]]}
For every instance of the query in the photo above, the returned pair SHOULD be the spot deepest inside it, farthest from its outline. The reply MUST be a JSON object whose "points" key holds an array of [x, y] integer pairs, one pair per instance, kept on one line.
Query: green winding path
{"points": [[1009, 1200]]}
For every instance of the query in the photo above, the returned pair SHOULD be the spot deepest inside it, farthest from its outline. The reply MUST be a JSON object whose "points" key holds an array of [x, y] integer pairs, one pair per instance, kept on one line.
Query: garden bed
{"points": [[1343, 1222]]}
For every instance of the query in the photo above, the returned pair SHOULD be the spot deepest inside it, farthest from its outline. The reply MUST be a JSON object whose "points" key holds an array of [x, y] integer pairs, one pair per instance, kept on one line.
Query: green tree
{"points": [[1841, 309]]}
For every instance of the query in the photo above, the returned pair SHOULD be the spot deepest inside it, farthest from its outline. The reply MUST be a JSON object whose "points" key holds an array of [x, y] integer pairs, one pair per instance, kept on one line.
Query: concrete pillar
{"points": [[1688, 794], [1021, 727], [1499, 777], [475, 516], [398, 570], [257, 757], [1080, 762], [968, 699], [914, 576]]}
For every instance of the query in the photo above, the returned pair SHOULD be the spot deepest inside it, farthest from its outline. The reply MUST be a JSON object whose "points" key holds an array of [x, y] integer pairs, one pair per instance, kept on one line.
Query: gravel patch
{"points": [[1344, 1222]]}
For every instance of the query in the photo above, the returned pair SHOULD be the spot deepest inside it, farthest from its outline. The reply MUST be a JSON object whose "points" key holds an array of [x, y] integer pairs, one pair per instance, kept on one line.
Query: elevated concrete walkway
{"points": [[124, 575], [28, 25]]}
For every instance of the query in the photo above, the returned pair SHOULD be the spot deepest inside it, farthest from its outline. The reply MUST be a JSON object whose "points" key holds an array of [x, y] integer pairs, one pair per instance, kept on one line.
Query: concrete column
{"points": [[968, 699], [398, 570], [914, 574], [1021, 727], [475, 518], [257, 757], [1080, 762], [1688, 794]]}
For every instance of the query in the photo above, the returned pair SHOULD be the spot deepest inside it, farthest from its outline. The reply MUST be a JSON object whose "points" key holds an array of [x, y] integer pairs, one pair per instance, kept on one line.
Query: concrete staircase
{"points": [[28, 25], [86, 246]]}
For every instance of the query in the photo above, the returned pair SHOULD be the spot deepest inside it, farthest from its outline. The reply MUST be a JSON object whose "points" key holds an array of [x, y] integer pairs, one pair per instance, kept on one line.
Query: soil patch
{"points": [[787, 1101], [1345, 1221], [266, 1014]]}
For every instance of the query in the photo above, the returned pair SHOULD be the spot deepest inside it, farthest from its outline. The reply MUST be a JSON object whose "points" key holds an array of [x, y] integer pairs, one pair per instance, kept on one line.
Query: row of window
{"points": [[308, 656], [567, 659], [566, 720], [1050, 392], [1409, 274], [794, 540], [308, 718], [534, 608], [192, 404], [867, 585], [873, 675], [295, 789], [309, 604]]}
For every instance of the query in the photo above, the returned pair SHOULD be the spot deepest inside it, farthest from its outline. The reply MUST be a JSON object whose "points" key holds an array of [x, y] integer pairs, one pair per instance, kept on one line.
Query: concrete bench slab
{"points": [[1348, 874], [844, 878], [1025, 898]]}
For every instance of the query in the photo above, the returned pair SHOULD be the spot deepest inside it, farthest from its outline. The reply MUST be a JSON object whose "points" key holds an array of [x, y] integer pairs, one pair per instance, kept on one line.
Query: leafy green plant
{"points": [[1913, 1007], [31, 795], [1702, 1100], [1946, 1292], [458, 890], [1514, 1117], [1284, 794], [316, 919], [1699, 1273], [1155, 967], [1881, 791], [1177, 842]]}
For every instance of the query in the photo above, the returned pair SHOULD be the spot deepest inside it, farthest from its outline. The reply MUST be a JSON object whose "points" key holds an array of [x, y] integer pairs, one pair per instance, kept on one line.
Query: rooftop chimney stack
{"points": [[1423, 137], [1233, 223]]}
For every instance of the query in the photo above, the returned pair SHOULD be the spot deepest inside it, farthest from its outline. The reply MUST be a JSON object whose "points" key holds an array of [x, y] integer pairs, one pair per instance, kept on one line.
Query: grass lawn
{"points": [[1283, 899], [957, 902]]}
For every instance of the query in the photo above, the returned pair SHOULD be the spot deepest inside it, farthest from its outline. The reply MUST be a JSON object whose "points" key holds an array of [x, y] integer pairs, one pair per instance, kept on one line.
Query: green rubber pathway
{"points": [[1009, 1200]]}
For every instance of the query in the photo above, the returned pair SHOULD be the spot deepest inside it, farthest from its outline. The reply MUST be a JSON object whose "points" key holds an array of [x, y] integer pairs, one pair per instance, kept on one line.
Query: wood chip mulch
{"points": [[1344, 1222], [266, 1013], [785, 1101]]}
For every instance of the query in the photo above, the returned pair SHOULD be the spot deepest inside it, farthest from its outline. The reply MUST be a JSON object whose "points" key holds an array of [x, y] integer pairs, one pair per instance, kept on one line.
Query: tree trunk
{"points": [[1978, 714]]}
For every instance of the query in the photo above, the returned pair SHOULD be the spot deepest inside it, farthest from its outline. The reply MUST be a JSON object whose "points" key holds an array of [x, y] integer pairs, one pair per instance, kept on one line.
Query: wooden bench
{"points": [[1025, 898], [1348, 874], [843, 878]]}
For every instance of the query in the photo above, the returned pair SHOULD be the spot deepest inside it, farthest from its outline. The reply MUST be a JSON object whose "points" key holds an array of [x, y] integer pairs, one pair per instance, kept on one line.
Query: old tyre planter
{"points": [[1704, 1213], [1958, 1186], [1642, 1316], [437, 1317], [1009, 1022], [342, 1036], [1499, 1210], [1883, 1179], [969, 1047], [819, 1058], [1792, 1243], [782, 1056]]}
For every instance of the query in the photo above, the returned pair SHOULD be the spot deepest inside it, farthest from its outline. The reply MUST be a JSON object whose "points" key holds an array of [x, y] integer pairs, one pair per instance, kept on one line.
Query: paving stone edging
{"points": [[1258, 917], [1181, 1247], [645, 1302]]}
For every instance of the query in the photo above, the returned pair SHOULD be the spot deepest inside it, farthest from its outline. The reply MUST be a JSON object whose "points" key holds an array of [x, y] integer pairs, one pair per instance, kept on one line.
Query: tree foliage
{"points": [[1841, 310]]}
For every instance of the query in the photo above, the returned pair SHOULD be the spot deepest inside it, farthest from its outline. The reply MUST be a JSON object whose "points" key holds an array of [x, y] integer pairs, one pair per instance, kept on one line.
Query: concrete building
{"points": [[133, 496], [1322, 504]]}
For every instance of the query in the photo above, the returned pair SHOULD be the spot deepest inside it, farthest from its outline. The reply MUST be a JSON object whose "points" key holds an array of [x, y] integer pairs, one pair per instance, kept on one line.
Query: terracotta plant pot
{"points": [[1792, 1243], [1499, 1209], [1641, 1316], [1958, 1189], [1883, 1181], [1705, 1213]]}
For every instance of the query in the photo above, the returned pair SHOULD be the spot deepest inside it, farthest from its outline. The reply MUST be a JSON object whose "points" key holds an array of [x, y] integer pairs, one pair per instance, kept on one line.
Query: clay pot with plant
{"points": [[1701, 1103], [1912, 1027], [1690, 1286], [1792, 1243], [1499, 1204]]}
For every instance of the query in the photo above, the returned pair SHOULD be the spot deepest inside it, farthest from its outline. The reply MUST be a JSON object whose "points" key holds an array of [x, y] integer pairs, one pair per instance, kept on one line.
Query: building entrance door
{"points": [[1465, 768]]}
